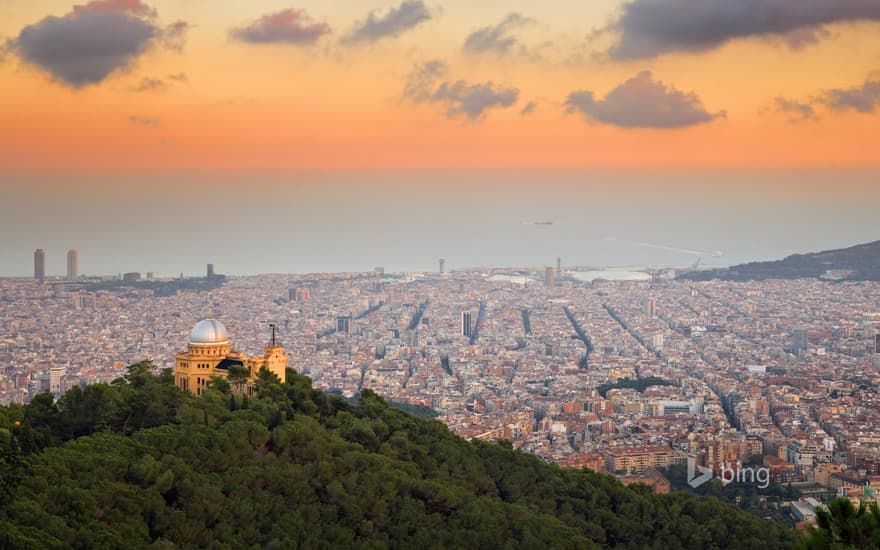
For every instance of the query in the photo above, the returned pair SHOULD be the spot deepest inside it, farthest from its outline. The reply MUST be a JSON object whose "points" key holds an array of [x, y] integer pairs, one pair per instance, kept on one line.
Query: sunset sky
{"points": [[159, 135], [274, 86]]}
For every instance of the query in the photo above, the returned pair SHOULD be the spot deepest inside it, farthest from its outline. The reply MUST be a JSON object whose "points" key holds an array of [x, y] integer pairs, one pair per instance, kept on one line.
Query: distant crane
{"points": [[697, 263]]}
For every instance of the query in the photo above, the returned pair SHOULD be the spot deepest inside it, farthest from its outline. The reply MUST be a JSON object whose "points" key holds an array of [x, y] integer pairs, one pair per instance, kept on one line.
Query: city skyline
{"points": [[314, 137]]}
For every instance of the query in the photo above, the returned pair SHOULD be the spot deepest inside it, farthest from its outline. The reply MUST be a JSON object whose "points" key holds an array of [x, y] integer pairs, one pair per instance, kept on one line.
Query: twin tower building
{"points": [[209, 354]]}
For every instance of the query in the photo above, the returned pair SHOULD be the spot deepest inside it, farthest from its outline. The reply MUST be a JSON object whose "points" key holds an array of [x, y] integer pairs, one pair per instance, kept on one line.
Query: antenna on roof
{"points": [[274, 341]]}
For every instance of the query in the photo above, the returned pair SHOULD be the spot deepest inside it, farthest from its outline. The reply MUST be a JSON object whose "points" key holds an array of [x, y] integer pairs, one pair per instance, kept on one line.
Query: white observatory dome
{"points": [[208, 332]]}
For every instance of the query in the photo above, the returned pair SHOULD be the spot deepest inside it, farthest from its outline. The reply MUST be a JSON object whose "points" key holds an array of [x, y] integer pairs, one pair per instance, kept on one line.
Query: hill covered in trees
{"points": [[860, 262], [140, 464]]}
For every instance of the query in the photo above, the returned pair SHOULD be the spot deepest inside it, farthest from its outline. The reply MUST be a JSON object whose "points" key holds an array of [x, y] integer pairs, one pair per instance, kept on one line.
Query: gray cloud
{"points": [[420, 81], [497, 38], [864, 98], [642, 102], [152, 84], [94, 40], [143, 120], [798, 112], [286, 26], [529, 108], [648, 28], [148, 84], [174, 35], [395, 22], [461, 97]]}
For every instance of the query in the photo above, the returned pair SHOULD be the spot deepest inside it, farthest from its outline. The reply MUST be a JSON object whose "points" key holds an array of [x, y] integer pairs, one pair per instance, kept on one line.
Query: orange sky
{"points": [[328, 106]]}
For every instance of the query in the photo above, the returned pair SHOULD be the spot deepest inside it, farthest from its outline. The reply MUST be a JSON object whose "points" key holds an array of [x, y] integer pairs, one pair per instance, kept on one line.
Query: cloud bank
{"points": [[648, 28]]}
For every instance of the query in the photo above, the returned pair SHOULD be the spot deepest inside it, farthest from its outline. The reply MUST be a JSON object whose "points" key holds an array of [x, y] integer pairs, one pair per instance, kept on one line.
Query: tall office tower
{"points": [[412, 338], [466, 325], [72, 264], [210, 272], [800, 339], [343, 324], [442, 266], [650, 306], [39, 264], [558, 266], [56, 374], [550, 277]]}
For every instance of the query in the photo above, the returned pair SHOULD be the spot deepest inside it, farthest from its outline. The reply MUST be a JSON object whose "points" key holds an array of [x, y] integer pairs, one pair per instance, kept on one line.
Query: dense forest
{"points": [[862, 262], [140, 464]]}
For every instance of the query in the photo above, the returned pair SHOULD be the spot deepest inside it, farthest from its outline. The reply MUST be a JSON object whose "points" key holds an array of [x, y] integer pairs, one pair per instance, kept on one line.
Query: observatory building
{"points": [[210, 354]]}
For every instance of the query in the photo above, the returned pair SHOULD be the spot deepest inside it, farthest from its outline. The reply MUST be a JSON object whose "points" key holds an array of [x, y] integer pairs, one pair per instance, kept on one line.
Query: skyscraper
{"points": [[39, 264], [72, 264], [442, 266], [650, 306], [466, 325], [210, 272], [800, 340], [343, 324], [550, 276]]}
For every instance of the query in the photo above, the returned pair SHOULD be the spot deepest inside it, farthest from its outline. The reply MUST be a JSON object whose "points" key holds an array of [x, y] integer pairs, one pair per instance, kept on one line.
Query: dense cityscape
{"points": [[625, 372]]}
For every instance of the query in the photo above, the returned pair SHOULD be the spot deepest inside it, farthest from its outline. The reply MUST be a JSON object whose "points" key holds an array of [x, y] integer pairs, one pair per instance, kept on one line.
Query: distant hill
{"points": [[856, 263]]}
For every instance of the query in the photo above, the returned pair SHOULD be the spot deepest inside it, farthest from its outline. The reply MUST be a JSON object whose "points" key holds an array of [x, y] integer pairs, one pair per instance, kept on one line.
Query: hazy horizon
{"points": [[254, 224]]}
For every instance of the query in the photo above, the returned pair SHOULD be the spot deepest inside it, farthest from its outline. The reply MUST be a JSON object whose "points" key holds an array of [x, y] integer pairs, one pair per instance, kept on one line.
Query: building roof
{"points": [[208, 332]]}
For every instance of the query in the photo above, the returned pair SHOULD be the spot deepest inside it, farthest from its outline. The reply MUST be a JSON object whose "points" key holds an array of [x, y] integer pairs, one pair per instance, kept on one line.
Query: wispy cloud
{"points": [[796, 111], [153, 84], [143, 120], [861, 98], [462, 98], [498, 39], [288, 26], [396, 21]]}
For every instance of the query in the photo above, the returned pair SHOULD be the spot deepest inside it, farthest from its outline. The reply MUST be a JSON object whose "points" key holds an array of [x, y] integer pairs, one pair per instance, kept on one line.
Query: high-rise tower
{"points": [[442, 266], [72, 264], [39, 264], [466, 325]]}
